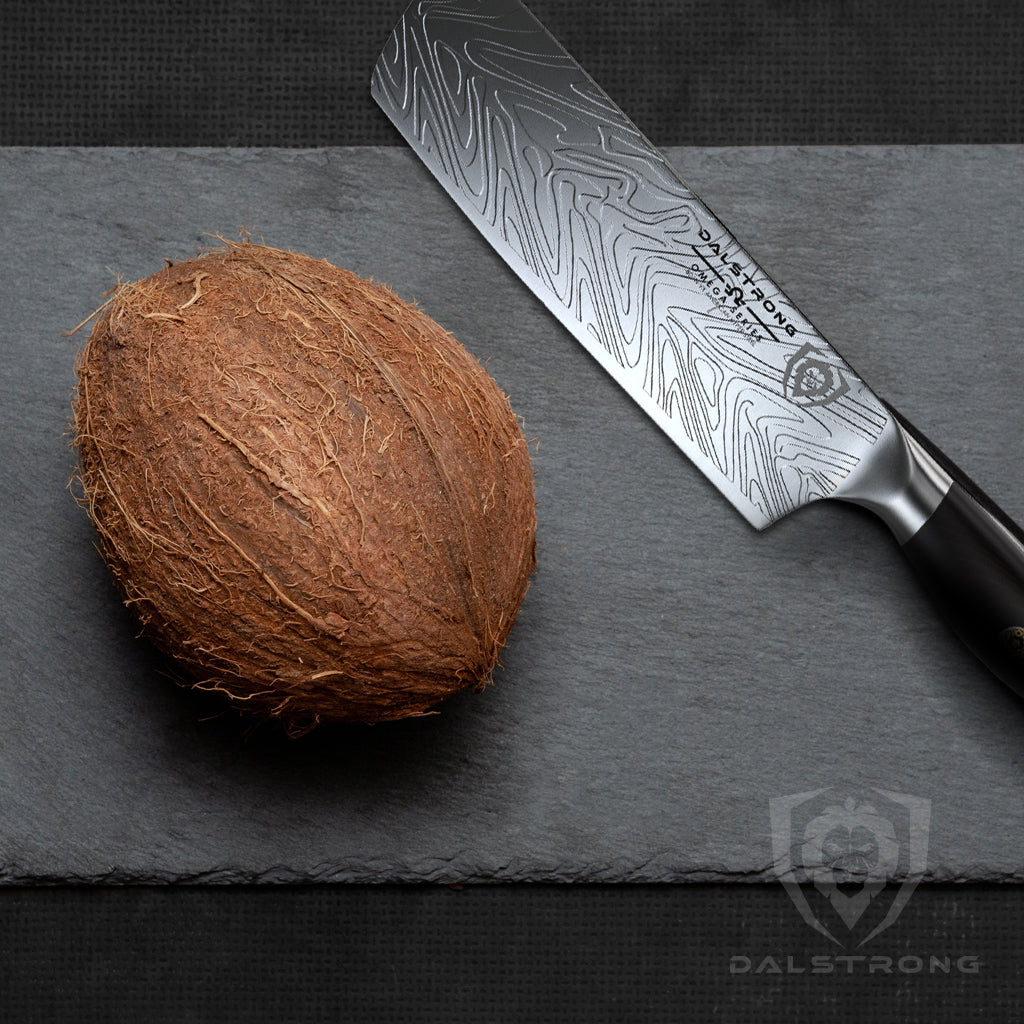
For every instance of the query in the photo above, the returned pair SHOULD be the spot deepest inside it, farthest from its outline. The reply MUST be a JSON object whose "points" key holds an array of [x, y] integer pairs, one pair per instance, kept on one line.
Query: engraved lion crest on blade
{"points": [[812, 379]]}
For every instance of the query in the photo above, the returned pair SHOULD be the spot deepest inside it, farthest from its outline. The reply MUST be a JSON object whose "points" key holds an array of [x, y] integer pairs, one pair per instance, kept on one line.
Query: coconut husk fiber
{"points": [[312, 496]]}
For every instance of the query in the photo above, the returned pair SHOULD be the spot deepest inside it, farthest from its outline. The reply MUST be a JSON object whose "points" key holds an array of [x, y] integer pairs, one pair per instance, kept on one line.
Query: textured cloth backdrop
{"points": [[266, 73]]}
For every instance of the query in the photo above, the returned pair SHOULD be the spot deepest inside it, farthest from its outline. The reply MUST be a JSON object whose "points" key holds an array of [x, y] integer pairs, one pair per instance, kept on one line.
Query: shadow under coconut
{"points": [[407, 752]]}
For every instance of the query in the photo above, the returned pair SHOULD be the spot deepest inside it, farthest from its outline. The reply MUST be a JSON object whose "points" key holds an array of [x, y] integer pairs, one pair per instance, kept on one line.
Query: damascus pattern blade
{"points": [[601, 228]]}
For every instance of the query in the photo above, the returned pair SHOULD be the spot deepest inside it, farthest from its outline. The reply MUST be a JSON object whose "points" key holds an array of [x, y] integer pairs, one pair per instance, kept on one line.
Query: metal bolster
{"points": [[898, 481]]}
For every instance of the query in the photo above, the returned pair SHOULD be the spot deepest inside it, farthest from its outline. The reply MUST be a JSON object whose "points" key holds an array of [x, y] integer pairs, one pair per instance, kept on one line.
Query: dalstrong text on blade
{"points": [[599, 226], [733, 276]]}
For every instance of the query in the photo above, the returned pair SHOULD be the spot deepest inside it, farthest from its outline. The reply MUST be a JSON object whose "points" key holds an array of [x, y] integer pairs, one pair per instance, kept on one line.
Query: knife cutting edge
{"points": [[601, 228]]}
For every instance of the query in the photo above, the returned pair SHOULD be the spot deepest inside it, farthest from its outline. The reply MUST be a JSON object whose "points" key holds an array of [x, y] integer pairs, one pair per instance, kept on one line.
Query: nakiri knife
{"points": [[602, 229]]}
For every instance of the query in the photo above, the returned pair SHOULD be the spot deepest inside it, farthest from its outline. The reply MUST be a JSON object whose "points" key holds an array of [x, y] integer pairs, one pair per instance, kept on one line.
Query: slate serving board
{"points": [[671, 670]]}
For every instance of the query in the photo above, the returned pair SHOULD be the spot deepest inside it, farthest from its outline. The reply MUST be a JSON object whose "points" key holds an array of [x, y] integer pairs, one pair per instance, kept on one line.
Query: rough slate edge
{"points": [[970, 722]]}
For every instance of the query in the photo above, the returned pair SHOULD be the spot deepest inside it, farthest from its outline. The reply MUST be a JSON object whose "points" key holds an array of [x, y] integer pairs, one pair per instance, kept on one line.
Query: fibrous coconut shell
{"points": [[313, 497]]}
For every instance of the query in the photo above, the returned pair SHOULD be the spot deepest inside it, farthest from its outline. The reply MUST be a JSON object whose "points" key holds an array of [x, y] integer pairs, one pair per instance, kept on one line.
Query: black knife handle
{"points": [[966, 552], [969, 558]]}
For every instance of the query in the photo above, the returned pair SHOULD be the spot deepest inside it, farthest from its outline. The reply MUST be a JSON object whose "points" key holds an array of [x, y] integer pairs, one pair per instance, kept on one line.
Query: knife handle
{"points": [[966, 552], [970, 559]]}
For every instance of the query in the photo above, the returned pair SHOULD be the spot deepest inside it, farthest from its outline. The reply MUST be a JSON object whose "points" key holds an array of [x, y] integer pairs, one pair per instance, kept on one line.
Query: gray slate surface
{"points": [[671, 670]]}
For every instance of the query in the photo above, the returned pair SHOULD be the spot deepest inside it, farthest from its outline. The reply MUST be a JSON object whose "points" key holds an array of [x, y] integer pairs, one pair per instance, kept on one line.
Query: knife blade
{"points": [[641, 272]]}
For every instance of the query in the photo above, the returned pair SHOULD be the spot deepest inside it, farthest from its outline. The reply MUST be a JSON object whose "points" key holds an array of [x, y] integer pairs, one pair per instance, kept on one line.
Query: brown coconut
{"points": [[313, 497]]}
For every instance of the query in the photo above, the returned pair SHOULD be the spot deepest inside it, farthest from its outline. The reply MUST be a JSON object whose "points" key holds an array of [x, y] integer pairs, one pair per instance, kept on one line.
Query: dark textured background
{"points": [[183, 74], [750, 72]]}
